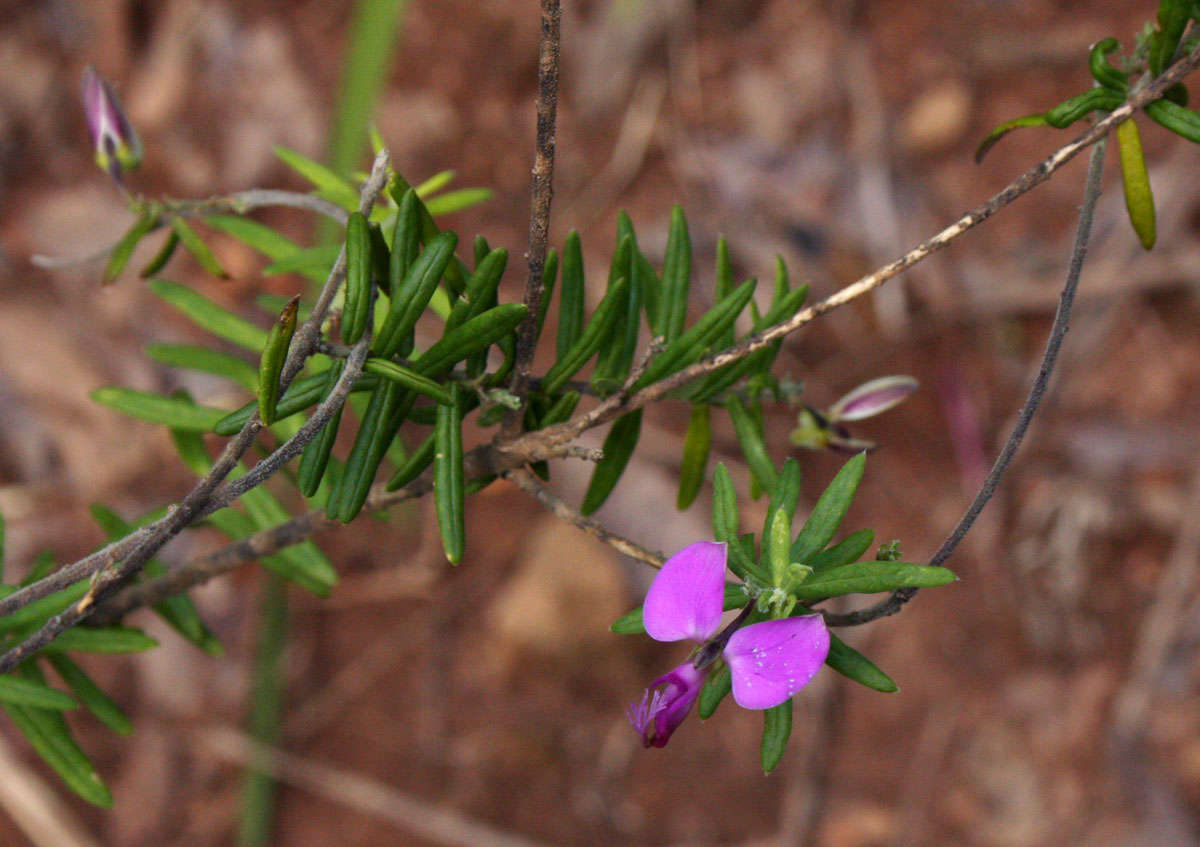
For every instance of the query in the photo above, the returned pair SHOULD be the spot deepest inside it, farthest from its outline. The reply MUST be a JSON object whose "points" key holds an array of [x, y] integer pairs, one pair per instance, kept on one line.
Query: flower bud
{"points": [[871, 398], [118, 148]]}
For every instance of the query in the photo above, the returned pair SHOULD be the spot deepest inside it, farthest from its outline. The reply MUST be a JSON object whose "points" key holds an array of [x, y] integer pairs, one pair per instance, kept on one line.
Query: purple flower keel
{"points": [[665, 704]]}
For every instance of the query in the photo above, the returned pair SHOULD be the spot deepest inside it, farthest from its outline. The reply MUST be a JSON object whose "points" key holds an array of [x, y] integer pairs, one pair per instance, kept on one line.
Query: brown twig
{"points": [[543, 193], [524, 480]]}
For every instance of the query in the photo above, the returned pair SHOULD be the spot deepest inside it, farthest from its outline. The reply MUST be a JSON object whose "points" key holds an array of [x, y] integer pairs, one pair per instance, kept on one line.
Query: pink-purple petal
{"points": [[772, 660], [685, 599], [873, 397]]}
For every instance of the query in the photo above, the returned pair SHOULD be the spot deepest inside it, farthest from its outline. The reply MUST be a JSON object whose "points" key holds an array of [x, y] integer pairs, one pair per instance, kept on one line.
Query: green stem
{"points": [[266, 709]]}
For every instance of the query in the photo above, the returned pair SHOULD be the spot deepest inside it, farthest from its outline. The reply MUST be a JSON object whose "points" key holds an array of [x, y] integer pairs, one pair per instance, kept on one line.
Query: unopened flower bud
{"points": [[871, 398], [118, 148]]}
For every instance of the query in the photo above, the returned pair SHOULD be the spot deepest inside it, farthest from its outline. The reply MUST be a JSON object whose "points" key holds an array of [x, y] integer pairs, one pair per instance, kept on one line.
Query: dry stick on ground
{"points": [[550, 442], [1058, 332], [207, 495], [431, 822], [543, 193]]}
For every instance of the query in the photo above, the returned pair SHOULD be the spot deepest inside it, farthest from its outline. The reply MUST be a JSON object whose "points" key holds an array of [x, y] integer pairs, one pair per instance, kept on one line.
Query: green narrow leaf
{"points": [[481, 288], [329, 185], [355, 310], [52, 741], [435, 183], [119, 258], [388, 407], [589, 341], [849, 662], [1139, 200], [696, 444], [253, 234], [418, 461], [302, 393], [691, 345], [169, 411], [1180, 120], [725, 510], [753, 447], [302, 563], [90, 694], [102, 639], [827, 514], [164, 254], [274, 354], [315, 458], [723, 287], [208, 315], [676, 279], [785, 496], [844, 552], [194, 358], [571, 295], [619, 445], [477, 334], [408, 378], [195, 245], [456, 201], [1102, 70], [448, 479], [716, 687], [37, 612], [871, 578], [1004, 129], [313, 262], [411, 296], [775, 545], [777, 729], [27, 692], [619, 349]]}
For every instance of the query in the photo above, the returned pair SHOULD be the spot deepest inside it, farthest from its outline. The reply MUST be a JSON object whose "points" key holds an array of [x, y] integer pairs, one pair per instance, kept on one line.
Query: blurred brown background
{"points": [[1048, 698]]}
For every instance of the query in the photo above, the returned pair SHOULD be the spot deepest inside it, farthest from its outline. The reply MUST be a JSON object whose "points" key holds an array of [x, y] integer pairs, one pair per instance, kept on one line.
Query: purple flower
{"points": [[118, 148], [768, 661]]}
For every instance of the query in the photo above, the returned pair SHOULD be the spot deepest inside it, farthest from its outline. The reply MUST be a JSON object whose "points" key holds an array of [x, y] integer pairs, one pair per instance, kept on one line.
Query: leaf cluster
{"points": [[1156, 48]]}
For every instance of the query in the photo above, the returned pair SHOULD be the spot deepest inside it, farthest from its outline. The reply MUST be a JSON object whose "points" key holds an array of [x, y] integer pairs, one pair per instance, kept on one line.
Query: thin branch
{"points": [[321, 416], [561, 509], [191, 508], [1058, 332], [618, 405], [543, 193], [242, 202], [239, 203]]}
